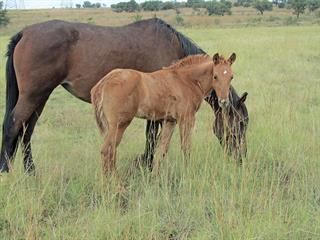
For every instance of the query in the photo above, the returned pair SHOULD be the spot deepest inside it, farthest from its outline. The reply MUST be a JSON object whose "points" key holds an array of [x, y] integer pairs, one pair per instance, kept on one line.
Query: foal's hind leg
{"points": [[109, 147]]}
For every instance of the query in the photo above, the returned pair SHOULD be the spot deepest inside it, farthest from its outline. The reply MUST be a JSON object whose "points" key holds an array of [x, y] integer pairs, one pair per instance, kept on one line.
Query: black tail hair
{"points": [[12, 91]]}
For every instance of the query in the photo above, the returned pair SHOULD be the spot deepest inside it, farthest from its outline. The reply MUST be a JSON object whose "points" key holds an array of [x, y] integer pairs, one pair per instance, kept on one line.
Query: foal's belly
{"points": [[161, 112]]}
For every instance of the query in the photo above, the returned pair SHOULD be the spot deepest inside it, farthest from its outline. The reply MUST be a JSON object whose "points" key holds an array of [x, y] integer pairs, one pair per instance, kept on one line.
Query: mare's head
{"points": [[222, 75], [231, 124]]}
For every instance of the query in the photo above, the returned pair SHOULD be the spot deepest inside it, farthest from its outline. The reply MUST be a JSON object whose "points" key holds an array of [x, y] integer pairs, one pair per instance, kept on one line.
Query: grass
{"points": [[241, 17], [274, 195]]}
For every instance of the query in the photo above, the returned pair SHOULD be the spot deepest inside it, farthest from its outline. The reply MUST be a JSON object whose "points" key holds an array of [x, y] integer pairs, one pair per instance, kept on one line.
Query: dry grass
{"points": [[274, 195]]}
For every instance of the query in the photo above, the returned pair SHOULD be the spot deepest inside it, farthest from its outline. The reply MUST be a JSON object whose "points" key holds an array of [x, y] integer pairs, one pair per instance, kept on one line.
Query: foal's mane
{"points": [[188, 61]]}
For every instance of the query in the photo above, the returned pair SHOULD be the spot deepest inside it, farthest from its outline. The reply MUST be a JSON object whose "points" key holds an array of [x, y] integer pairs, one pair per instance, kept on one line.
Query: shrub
{"points": [[130, 6], [298, 6], [4, 19], [179, 19], [313, 5], [262, 5], [137, 18], [219, 8]]}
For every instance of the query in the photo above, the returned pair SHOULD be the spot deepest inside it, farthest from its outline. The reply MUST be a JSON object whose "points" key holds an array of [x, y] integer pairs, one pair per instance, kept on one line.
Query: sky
{"points": [[30, 4]]}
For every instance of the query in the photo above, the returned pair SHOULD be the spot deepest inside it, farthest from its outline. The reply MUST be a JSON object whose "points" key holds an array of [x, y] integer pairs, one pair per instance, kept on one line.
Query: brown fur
{"points": [[173, 94]]}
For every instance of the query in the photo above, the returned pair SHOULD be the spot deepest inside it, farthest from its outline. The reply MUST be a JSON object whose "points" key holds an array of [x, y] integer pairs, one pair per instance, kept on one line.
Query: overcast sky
{"points": [[56, 3]]}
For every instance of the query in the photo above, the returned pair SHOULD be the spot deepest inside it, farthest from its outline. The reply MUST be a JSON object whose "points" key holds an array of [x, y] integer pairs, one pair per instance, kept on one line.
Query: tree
{"points": [[87, 4], [4, 19], [78, 5], [313, 5], [1, 5], [151, 5], [298, 6], [244, 3], [131, 6], [219, 8], [262, 5], [167, 6]]}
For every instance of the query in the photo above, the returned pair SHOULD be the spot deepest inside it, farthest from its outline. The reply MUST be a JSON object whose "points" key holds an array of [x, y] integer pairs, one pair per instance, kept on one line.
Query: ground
{"points": [[275, 194]]}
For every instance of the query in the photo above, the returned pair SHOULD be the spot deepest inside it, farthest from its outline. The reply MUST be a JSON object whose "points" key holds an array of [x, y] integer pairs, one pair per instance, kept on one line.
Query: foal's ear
{"points": [[232, 58], [216, 58], [242, 99]]}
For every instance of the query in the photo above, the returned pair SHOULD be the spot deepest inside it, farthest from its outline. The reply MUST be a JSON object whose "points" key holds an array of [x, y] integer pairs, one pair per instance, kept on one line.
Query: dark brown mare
{"points": [[173, 95], [76, 56]]}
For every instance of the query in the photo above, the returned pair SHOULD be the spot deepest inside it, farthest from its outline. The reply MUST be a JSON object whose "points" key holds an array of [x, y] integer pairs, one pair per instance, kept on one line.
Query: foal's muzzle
{"points": [[224, 103]]}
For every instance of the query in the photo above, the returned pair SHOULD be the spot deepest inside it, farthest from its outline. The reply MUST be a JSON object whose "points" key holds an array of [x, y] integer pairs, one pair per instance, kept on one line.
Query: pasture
{"points": [[275, 194]]}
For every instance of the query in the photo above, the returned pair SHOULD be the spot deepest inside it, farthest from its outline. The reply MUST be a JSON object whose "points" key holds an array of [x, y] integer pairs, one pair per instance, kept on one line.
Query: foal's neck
{"points": [[200, 75]]}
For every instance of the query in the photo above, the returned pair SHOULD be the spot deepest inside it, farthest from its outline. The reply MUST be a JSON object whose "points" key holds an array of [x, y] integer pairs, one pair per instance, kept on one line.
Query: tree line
{"points": [[214, 7]]}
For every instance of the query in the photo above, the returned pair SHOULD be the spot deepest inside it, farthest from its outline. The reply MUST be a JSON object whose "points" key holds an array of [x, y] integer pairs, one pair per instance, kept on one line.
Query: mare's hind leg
{"points": [[109, 147], [26, 141], [23, 110], [151, 142]]}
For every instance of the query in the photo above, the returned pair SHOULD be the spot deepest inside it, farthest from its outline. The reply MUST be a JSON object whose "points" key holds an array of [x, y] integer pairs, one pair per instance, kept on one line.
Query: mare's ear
{"points": [[216, 58], [232, 58], [242, 99]]}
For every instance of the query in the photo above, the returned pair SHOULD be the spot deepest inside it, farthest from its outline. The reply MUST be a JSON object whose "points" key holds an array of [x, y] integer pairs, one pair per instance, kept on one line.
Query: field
{"points": [[275, 194]]}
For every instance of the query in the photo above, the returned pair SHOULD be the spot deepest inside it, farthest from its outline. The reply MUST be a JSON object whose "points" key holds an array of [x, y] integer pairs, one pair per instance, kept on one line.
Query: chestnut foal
{"points": [[173, 94]]}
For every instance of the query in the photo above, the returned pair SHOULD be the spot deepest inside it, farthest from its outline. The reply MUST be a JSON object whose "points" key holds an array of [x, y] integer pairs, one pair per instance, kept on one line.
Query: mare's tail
{"points": [[97, 102]]}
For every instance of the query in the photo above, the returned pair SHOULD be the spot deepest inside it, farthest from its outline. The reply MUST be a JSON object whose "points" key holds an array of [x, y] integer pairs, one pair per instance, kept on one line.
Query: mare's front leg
{"points": [[186, 126], [109, 147], [151, 142]]}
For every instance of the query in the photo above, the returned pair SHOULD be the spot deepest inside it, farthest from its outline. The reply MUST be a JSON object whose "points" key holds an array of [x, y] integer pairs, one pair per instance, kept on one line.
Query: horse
{"points": [[172, 95], [76, 56]]}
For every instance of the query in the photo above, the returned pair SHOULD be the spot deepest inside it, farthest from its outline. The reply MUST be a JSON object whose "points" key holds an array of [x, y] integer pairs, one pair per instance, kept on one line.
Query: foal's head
{"points": [[222, 76]]}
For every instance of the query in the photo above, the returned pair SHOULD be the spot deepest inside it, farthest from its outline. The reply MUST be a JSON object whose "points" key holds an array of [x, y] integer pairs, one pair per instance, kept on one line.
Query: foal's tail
{"points": [[97, 102]]}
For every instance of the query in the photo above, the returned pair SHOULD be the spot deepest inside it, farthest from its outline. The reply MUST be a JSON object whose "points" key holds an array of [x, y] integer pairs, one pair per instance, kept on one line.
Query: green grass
{"points": [[274, 195]]}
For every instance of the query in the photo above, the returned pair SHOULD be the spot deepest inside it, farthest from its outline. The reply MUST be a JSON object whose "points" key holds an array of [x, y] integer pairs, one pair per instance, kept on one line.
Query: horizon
{"points": [[47, 4]]}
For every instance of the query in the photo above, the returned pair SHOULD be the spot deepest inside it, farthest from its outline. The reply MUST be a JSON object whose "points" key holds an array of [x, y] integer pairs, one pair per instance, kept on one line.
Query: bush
{"points": [[298, 6], [167, 6], [4, 19], [151, 5], [179, 19], [137, 17], [262, 6], [244, 3], [88, 4], [281, 5], [313, 5], [131, 6], [219, 8]]}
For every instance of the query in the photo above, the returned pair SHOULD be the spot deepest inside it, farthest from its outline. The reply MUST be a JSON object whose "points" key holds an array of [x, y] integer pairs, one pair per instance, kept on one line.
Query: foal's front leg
{"points": [[165, 137], [186, 126]]}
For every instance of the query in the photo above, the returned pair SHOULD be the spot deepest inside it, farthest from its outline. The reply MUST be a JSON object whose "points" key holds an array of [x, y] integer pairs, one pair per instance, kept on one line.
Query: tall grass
{"points": [[275, 194]]}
